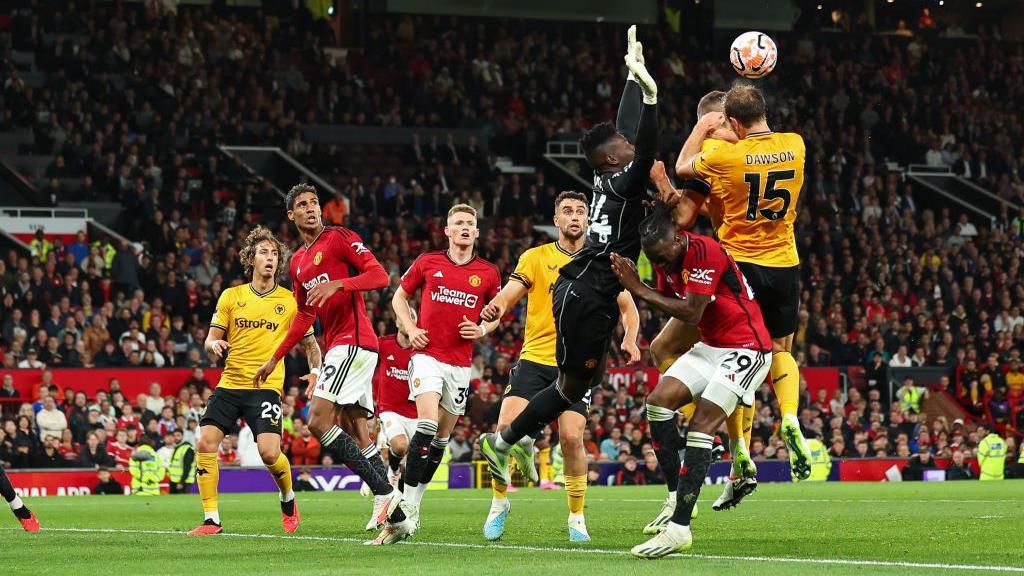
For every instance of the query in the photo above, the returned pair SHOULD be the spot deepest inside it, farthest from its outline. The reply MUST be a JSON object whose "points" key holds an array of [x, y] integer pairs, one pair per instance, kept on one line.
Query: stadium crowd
{"points": [[136, 101]]}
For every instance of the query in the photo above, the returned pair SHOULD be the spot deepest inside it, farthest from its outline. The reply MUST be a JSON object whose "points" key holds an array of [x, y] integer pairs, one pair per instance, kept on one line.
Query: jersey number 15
{"points": [[770, 192]]}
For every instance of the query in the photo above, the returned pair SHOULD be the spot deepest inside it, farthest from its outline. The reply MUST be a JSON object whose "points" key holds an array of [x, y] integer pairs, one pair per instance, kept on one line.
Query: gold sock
{"points": [[498, 490], [545, 464], [748, 423], [281, 471], [208, 474], [734, 424], [786, 379], [576, 492], [688, 411], [667, 363]]}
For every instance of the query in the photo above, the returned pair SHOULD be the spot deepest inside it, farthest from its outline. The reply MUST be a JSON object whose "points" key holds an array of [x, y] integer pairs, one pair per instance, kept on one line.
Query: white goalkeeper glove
{"points": [[642, 76], [632, 48]]}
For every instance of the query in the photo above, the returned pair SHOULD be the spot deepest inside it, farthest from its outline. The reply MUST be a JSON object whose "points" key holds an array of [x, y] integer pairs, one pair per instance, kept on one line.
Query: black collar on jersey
{"points": [[763, 133], [452, 260], [564, 251], [262, 294]]}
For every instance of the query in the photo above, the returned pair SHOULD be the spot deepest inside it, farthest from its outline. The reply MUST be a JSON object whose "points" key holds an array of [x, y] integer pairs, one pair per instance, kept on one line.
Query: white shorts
{"points": [[393, 424], [725, 376], [346, 377], [426, 374]]}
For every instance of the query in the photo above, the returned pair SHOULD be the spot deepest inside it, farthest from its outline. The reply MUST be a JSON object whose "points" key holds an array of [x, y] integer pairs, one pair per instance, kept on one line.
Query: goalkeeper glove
{"points": [[642, 76], [631, 48]]}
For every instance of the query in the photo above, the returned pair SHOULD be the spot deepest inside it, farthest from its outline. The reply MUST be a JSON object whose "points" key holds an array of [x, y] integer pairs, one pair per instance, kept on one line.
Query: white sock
{"points": [[792, 418], [288, 497], [500, 444], [415, 494], [575, 517], [16, 503], [215, 516]]}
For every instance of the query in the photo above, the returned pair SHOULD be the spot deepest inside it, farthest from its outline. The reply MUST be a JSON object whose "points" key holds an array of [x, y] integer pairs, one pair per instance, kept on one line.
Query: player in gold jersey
{"points": [[761, 177], [253, 318], [534, 277]]}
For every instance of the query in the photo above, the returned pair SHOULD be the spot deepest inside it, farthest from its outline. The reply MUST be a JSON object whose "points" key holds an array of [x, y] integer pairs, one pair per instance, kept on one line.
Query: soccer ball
{"points": [[753, 55]]}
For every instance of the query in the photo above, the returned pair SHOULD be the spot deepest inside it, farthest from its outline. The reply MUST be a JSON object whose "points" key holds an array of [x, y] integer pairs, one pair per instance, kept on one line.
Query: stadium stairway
{"points": [[948, 189], [941, 403]]}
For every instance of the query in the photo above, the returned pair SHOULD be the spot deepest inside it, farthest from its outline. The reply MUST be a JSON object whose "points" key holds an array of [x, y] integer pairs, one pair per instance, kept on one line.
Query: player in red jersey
{"points": [[720, 372], [456, 285], [396, 411], [27, 518], [329, 274]]}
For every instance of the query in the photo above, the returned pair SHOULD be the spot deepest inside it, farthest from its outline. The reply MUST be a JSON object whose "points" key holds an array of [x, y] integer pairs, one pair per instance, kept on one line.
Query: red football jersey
{"points": [[336, 254], [733, 318], [450, 291], [391, 382]]}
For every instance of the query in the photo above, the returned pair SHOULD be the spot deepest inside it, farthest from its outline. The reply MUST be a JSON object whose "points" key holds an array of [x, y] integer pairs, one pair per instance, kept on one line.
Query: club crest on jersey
{"points": [[317, 258], [474, 280], [701, 275], [416, 383], [279, 308]]}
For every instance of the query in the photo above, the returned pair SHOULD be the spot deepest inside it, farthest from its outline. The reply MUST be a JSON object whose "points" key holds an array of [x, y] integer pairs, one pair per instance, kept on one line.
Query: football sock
{"points": [[499, 491], [667, 363], [576, 492], [748, 423], [354, 459], [688, 410], [786, 378], [666, 441], [372, 453], [419, 450], [434, 457], [542, 409], [697, 462], [12, 498], [281, 471], [207, 476], [544, 469], [394, 461], [734, 424]]}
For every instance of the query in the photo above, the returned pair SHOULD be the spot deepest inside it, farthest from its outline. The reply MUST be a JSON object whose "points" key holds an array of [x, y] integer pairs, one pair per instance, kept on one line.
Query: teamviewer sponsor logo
{"points": [[321, 279], [397, 373], [456, 297], [701, 275]]}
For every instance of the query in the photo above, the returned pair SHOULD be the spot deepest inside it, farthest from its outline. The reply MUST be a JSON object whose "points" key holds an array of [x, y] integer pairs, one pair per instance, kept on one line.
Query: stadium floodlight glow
{"points": [[978, 5], [819, 6]]}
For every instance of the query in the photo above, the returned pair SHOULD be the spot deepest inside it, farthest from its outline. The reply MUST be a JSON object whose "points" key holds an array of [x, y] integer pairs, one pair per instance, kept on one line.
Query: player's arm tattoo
{"points": [[312, 351]]}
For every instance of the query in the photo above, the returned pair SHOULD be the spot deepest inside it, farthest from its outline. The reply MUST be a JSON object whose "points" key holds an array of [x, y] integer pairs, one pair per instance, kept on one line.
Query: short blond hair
{"points": [[258, 235], [461, 208]]}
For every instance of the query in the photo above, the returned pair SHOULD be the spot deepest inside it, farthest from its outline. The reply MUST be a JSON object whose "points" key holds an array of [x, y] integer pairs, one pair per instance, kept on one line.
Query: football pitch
{"points": [[833, 528]]}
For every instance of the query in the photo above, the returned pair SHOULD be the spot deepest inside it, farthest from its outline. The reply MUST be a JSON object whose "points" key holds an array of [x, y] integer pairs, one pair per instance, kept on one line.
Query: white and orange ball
{"points": [[753, 55]]}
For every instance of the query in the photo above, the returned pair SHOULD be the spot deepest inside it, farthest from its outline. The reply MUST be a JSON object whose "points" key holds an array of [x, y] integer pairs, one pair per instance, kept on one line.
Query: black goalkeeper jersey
{"points": [[617, 205]]}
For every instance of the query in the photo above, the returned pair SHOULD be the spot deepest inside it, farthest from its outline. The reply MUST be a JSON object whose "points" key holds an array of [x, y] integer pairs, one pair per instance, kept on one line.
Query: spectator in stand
{"points": [[630, 474], [154, 401], [613, 445], [119, 449], [51, 421], [106, 485], [461, 449], [910, 397], [227, 453], [49, 456], [652, 472], [305, 449], [900, 359], [958, 469], [94, 454], [31, 360], [69, 449], [304, 482]]}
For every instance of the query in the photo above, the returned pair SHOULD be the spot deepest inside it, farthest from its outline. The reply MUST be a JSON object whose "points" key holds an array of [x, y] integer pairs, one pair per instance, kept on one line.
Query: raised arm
{"points": [[627, 121], [707, 124], [687, 203], [630, 325]]}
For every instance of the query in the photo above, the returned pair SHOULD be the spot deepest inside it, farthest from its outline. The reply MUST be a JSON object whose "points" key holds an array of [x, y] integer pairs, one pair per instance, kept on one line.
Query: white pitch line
{"points": [[527, 499], [563, 550]]}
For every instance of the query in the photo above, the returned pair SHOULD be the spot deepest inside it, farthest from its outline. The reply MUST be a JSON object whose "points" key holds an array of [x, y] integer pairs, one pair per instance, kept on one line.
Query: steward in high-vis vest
{"points": [[821, 462], [146, 471], [182, 472], [991, 454]]}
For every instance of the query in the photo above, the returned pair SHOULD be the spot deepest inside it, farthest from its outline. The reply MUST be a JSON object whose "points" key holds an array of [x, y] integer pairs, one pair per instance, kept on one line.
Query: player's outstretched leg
{"points": [[667, 443], [25, 516], [354, 459], [786, 380]]}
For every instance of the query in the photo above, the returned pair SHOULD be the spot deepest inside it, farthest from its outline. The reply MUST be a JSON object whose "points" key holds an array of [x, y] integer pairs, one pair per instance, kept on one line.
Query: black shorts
{"points": [[528, 378], [260, 408], [585, 321], [777, 291]]}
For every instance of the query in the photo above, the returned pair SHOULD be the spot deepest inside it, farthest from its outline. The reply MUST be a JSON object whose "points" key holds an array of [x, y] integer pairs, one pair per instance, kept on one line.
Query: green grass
{"points": [[970, 524]]}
